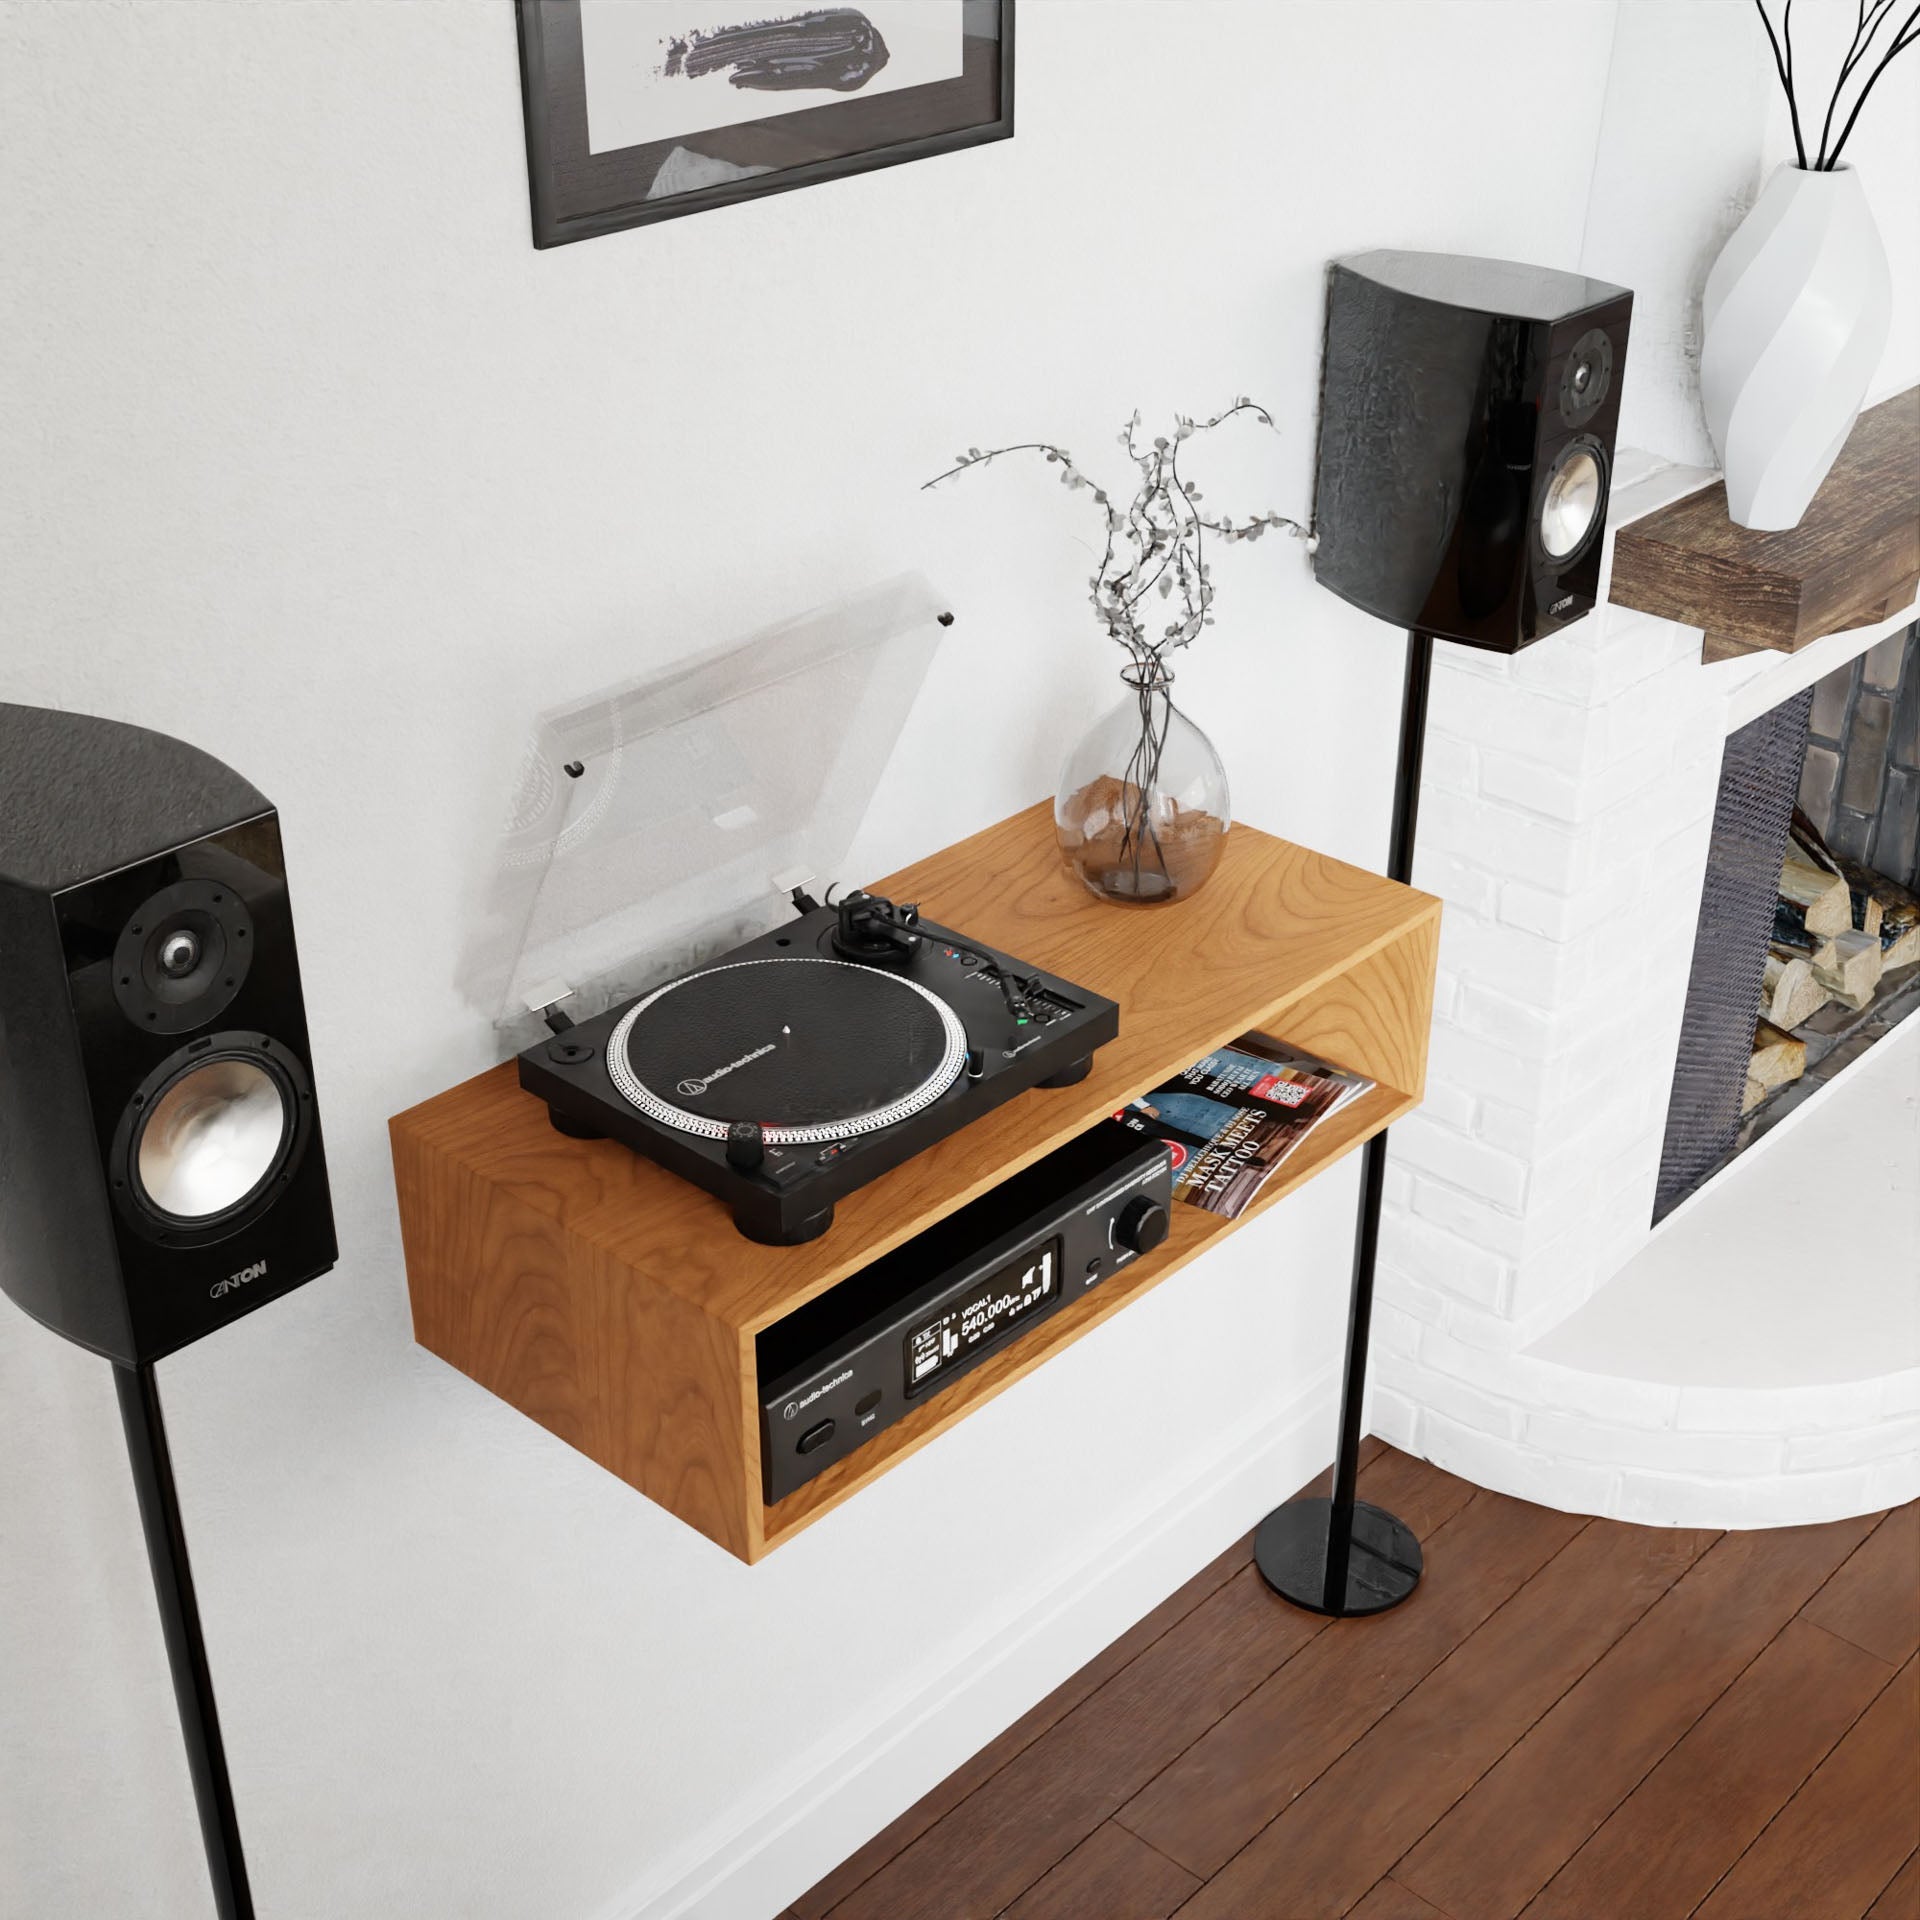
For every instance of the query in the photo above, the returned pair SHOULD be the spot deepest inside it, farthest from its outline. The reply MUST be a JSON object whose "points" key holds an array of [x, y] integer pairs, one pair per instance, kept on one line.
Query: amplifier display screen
{"points": [[987, 1310]]}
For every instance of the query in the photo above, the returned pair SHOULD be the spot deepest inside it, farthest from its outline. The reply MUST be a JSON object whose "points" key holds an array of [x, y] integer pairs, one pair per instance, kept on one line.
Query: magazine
{"points": [[1235, 1116]]}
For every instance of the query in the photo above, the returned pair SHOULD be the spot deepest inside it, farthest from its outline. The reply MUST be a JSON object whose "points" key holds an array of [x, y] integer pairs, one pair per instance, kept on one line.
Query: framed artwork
{"points": [[640, 110]]}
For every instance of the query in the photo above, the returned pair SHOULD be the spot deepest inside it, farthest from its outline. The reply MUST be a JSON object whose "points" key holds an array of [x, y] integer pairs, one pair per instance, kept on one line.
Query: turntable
{"points": [[805, 1063], [673, 818]]}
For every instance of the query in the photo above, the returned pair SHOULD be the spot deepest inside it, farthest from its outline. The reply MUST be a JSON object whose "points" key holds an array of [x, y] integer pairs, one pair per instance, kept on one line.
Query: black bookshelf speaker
{"points": [[1467, 418], [161, 1168]]}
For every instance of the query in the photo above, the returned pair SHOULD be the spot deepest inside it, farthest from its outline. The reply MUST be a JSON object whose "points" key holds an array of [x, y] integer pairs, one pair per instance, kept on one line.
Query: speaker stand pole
{"points": [[186, 1650], [1342, 1555]]}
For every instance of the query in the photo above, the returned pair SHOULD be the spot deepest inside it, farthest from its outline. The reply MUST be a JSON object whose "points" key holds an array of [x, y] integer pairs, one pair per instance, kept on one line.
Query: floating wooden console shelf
{"points": [[616, 1305], [1853, 559]]}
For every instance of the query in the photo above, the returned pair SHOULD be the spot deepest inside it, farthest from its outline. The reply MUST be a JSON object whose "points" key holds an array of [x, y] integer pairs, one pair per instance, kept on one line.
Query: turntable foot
{"points": [[573, 1129], [770, 1233], [1071, 1076]]}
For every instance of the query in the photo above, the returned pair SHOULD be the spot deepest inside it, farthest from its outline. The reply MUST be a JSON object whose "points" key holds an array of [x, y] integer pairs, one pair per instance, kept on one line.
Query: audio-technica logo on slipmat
{"points": [[691, 1087], [235, 1281]]}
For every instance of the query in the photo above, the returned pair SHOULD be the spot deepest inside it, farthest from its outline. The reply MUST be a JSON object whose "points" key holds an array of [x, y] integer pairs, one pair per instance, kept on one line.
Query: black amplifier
{"points": [[852, 1361]]}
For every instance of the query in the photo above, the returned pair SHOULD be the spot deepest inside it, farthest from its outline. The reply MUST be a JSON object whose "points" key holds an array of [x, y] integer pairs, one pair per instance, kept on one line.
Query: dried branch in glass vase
{"points": [[1143, 805]]}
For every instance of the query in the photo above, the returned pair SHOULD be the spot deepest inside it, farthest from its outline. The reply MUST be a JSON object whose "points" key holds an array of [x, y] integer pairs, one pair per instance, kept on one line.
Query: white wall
{"points": [[313, 460]]}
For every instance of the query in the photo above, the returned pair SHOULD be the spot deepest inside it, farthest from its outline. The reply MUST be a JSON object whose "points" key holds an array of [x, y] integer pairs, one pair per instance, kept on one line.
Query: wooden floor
{"points": [[1571, 1719]]}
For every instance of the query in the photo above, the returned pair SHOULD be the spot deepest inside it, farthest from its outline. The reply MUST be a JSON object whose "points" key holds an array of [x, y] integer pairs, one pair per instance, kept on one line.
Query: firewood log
{"points": [[1825, 897], [1856, 973], [1751, 1095], [1790, 993], [1790, 931], [1898, 911], [1778, 1058]]}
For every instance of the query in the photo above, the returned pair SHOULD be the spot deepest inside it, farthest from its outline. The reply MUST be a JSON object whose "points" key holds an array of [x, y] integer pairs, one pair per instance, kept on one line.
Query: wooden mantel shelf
{"points": [[1853, 559], [616, 1305]]}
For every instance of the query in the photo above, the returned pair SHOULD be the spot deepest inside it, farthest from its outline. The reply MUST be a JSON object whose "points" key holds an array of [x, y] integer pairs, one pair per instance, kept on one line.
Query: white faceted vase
{"points": [[1796, 309]]}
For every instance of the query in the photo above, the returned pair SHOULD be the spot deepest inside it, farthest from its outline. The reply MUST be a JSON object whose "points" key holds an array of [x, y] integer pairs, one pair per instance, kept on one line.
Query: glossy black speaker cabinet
{"points": [[1467, 418], [161, 1167]]}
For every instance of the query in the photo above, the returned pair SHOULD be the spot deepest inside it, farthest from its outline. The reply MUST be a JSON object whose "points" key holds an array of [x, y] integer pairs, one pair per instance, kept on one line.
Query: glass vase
{"points": [[1143, 809]]}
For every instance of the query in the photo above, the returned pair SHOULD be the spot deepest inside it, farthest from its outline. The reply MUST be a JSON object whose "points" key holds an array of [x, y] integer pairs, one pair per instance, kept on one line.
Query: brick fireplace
{"points": [[1567, 818]]}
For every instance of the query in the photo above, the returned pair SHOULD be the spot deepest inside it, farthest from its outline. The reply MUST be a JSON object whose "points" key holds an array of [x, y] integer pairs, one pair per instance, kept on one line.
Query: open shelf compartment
{"points": [[616, 1305]]}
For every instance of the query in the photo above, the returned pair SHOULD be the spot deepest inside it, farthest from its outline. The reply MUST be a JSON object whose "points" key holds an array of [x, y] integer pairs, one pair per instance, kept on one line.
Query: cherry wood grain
{"points": [[1854, 557], [1843, 1836], [1667, 1844], [1341, 1835], [1276, 1743], [1500, 1844], [616, 1305]]}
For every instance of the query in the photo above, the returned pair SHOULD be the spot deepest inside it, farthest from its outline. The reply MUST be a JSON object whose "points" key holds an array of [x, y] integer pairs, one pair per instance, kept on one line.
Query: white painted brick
{"points": [[1449, 1106], [1489, 1014], [1723, 1455], [1536, 972], [1900, 1392], [1863, 1446], [1516, 1130], [1424, 1303], [1836, 1408], [1555, 916], [1474, 1219], [1393, 1331], [1560, 731], [1489, 1460], [1538, 785], [1446, 994], [1442, 1259], [1449, 764], [1785, 1500], [1396, 1190], [1504, 840], [1395, 1418], [1490, 1071], [1893, 1483], [1466, 1163], [1484, 1412], [1611, 1399], [1462, 885]]}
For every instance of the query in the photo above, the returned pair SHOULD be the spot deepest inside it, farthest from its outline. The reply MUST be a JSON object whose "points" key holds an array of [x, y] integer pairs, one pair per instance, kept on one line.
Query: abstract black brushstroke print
{"points": [[837, 48]]}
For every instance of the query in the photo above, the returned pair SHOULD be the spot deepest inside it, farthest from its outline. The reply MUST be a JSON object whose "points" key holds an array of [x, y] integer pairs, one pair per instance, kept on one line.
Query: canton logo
{"points": [[235, 1281], [1563, 603], [691, 1088]]}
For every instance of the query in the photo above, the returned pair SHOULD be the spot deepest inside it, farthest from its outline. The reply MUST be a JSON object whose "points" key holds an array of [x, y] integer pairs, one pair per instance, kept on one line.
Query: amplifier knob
{"points": [[1142, 1225]]}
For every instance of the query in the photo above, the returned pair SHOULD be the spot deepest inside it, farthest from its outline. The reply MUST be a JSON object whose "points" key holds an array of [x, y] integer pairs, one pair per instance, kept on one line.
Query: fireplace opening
{"points": [[1808, 944]]}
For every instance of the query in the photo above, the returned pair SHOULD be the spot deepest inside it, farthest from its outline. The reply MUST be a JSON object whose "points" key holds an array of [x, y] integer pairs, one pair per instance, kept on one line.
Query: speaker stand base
{"points": [[1383, 1560]]}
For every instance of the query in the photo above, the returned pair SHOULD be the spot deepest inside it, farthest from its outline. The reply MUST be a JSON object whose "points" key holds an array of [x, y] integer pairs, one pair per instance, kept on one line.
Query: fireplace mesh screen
{"points": [[1759, 779]]}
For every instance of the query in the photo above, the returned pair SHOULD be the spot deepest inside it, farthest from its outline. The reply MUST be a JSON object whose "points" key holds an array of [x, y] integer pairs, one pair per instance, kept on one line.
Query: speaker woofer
{"points": [[209, 1137], [1573, 502]]}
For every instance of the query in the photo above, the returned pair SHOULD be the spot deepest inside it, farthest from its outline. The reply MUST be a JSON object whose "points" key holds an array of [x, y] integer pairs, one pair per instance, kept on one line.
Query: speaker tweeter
{"points": [[183, 956]]}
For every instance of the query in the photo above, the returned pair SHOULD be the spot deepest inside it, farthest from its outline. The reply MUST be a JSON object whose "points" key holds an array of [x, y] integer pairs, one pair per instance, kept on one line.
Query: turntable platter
{"points": [[812, 1049]]}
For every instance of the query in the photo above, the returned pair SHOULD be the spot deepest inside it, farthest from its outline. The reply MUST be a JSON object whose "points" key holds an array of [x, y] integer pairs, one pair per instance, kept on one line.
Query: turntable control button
{"points": [[815, 1437], [968, 958], [867, 1402]]}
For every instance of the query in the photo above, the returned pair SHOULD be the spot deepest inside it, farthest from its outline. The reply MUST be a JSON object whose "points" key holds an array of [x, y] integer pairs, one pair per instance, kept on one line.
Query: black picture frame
{"points": [[577, 194]]}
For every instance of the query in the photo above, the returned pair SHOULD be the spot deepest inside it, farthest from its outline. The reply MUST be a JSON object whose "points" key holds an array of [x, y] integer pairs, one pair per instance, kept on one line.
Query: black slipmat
{"points": [[846, 1040], [845, 1067]]}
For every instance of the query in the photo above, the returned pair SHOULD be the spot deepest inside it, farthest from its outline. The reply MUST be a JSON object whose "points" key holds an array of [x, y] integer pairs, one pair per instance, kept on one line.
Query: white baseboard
{"points": [[750, 1867]]}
